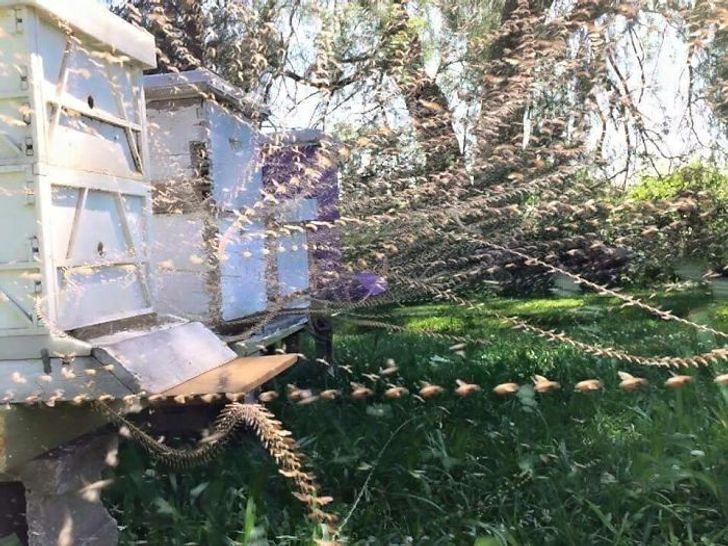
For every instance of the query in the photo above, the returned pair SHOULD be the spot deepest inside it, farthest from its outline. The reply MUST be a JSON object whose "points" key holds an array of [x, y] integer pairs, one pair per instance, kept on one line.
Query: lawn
{"points": [[610, 467]]}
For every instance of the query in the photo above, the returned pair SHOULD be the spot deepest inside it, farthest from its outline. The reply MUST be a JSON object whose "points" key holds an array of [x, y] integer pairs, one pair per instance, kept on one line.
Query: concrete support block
{"points": [[62, 491]]}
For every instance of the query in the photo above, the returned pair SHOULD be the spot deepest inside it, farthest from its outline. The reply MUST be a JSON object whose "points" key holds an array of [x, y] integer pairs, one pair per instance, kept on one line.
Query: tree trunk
{"points": [[426, 103]]}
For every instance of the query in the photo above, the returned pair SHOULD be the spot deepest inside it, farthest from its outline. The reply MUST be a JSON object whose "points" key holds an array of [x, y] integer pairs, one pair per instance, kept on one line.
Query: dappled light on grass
{"points": [[541, 465]]}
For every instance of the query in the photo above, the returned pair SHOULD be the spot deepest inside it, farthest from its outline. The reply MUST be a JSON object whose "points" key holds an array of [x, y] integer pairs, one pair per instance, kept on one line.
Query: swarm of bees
{"points": [[462, 389]]}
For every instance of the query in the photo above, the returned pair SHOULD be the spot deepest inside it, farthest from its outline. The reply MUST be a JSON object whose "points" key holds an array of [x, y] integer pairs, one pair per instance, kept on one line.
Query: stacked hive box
{"points": [[222, 249], [209, 262], [76, 309], [302, 163], [74, 204]]}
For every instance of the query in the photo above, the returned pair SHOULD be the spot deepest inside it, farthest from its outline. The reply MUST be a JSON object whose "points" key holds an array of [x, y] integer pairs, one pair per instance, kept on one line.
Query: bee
{"points": [[92, 491], [112, 458], [543, 385], [66, 358], [166, 265], [630, 382], [395, 391], [329, 394], [428, 390], [267, 396], [308, 398], [360, 392], [295, 394], [289, 473], [466, 389], [505, 389], [588, 385], [389, 370], [678, 381]]}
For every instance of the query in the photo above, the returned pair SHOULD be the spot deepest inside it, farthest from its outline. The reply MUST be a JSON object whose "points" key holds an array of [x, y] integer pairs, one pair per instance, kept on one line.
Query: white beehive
{"points": [[210, 263], [75, 214], [74, 203], [285, 178], [292, 251]]}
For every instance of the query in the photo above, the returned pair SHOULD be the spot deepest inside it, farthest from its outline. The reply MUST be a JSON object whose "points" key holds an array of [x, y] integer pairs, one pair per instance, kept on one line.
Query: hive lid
{"points": [[93, 19], [196, 83]]}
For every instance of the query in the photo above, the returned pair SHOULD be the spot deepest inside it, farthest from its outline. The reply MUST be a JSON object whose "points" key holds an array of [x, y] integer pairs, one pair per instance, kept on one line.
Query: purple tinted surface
{"points": [[372, 283], [308, 170]]}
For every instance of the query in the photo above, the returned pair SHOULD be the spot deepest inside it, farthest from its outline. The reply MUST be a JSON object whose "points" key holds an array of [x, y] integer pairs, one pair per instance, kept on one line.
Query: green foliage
{"points": [[10, 540], [216, 505], [645, 468], [692, 178], [675, 225]]}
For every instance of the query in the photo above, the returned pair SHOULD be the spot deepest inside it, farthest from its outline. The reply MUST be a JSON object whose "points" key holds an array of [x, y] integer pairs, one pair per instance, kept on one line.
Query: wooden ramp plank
{"points": [[237, 376]]}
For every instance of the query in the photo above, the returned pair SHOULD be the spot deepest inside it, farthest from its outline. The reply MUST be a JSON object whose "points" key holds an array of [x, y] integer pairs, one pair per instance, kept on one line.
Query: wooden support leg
{"points": [[293, 343], [323, 334]]}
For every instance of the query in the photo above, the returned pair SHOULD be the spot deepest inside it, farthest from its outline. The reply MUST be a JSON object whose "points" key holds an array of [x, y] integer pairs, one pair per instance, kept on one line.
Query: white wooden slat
{"points": [[63, 176], [94, 20], [71, 103], [18, 266], [179, 263]]}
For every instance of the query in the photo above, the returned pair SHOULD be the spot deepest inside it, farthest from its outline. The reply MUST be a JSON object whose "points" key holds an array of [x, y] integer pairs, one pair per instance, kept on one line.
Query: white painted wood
{"points": [[235, 159], [293, 265], [243, 282], [181, 267], [162, 359], [292, 249], [74, 201], [271, 333], [20, 379], [197, 83], [297, 210], [93, 20], [209, 265], [17, 344], [173, 126]]}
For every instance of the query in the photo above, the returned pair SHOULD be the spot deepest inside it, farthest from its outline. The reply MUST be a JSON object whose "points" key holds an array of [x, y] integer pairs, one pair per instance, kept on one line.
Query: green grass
{"points": [[563, 469]]}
